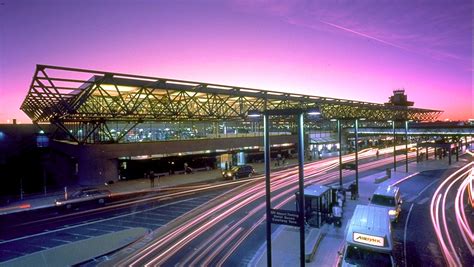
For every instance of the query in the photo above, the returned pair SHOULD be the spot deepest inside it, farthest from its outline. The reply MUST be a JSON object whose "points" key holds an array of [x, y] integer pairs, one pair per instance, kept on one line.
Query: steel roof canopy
{"points": [[57, 94]]}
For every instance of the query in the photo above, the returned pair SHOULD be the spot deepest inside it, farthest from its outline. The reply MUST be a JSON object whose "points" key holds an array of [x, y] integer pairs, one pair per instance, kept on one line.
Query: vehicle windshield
{"points": [[363, 257], [76, 194], [383, 201]]}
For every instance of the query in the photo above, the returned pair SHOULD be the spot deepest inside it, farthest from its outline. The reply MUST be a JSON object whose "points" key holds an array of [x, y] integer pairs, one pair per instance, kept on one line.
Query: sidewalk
{"points": [[333, 237], [135, 185]]}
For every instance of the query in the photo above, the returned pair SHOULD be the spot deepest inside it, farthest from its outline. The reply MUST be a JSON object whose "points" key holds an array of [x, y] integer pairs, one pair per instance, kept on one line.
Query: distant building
{"points": [[399, 99]]}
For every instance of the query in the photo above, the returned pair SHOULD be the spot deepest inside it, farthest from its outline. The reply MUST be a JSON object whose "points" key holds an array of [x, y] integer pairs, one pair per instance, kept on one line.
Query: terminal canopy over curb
{"points": [[63, 96]]}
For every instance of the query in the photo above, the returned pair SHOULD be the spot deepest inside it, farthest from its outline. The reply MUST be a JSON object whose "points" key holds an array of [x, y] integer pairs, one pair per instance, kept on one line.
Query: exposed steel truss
{"points": [[69, 96]]}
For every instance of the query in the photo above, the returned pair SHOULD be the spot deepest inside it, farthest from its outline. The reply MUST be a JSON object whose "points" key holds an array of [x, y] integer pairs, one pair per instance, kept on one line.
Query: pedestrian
{"points": [[377, 154], [185, 168], [340, 198], [356, 191], [353, 192], [152, 179], [337, 215]]}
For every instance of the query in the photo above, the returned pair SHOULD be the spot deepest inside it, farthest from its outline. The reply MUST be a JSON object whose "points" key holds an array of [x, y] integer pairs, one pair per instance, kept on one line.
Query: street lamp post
{"points": [[394, 148], [339, 133], [266, 144], [266, 139], [301, 185], [357, 156], [406, 146]]}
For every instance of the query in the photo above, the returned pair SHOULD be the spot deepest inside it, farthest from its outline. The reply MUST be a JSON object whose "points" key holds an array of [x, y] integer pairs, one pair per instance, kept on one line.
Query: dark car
{"points": [[239, 172], [84, 195]]}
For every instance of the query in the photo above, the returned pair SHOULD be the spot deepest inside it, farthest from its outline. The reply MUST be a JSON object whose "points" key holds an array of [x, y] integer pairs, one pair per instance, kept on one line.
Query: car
{"points": [[239, 172], [388, 196], [84, 195]]}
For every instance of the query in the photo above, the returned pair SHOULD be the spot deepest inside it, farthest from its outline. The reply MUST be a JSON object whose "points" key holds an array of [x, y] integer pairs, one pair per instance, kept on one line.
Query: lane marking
{"points": [[423, 201], [405, 178], [405, 236], [61, 240], [421, 192]]}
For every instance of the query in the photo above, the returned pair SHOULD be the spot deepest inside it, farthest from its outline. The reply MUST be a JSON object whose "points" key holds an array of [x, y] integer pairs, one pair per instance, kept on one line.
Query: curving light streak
{"points": [[438, 214], [461, 219], [164, 247]]}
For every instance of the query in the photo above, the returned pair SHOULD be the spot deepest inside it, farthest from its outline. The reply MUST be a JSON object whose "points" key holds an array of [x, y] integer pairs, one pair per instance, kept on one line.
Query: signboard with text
{"points": [[368, 239], [287, 217]]}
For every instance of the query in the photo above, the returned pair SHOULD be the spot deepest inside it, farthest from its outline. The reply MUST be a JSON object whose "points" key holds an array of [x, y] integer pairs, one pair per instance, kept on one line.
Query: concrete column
{"points": [[417, 154], [449, 155], [241, 158]]}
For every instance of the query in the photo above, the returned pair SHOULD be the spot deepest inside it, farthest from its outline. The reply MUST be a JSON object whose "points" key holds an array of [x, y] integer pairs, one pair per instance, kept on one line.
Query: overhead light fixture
{"points": [[314, 111], [254, 113]]}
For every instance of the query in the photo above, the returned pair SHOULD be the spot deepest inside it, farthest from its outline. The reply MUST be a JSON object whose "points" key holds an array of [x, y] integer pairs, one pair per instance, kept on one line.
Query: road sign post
{"points": [[301, 185]]}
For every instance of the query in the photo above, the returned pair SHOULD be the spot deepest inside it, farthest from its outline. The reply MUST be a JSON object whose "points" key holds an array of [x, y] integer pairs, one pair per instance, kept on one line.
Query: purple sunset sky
{"points": [[359, 50]]}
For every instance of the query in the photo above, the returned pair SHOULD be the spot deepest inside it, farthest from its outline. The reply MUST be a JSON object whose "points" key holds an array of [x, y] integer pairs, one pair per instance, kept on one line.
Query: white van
{"points": [[388, 196], [368, 238]]}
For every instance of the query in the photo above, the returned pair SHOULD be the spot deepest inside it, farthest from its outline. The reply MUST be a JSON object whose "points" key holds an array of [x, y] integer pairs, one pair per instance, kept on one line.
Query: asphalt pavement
{"points": [[417, 186]]}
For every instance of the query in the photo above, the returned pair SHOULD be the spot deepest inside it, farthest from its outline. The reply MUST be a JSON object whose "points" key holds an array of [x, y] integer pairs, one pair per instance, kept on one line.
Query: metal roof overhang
{"points": [[125, 97]]}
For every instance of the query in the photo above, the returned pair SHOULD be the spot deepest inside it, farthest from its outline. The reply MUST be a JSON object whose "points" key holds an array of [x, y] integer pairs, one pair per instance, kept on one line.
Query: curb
{"points": [[80, 251]]}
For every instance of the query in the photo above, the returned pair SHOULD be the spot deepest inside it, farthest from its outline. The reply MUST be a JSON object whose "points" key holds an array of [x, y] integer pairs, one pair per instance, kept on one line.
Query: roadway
{"points": [[416, 239], [220, 223], [31, 231], [27, 232], [229, 230]]}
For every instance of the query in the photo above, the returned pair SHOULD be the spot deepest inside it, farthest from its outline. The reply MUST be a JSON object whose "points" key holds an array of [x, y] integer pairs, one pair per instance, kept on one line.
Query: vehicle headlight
{"points": [[392, 212], [229, 174]]}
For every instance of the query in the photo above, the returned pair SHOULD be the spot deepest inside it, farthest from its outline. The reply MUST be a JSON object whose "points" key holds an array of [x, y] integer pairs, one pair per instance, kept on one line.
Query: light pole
{"points": [[406, 146], [266, 139], [357, 154], [339, 135], [394, 147], [301, 185], [266, 144]]}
